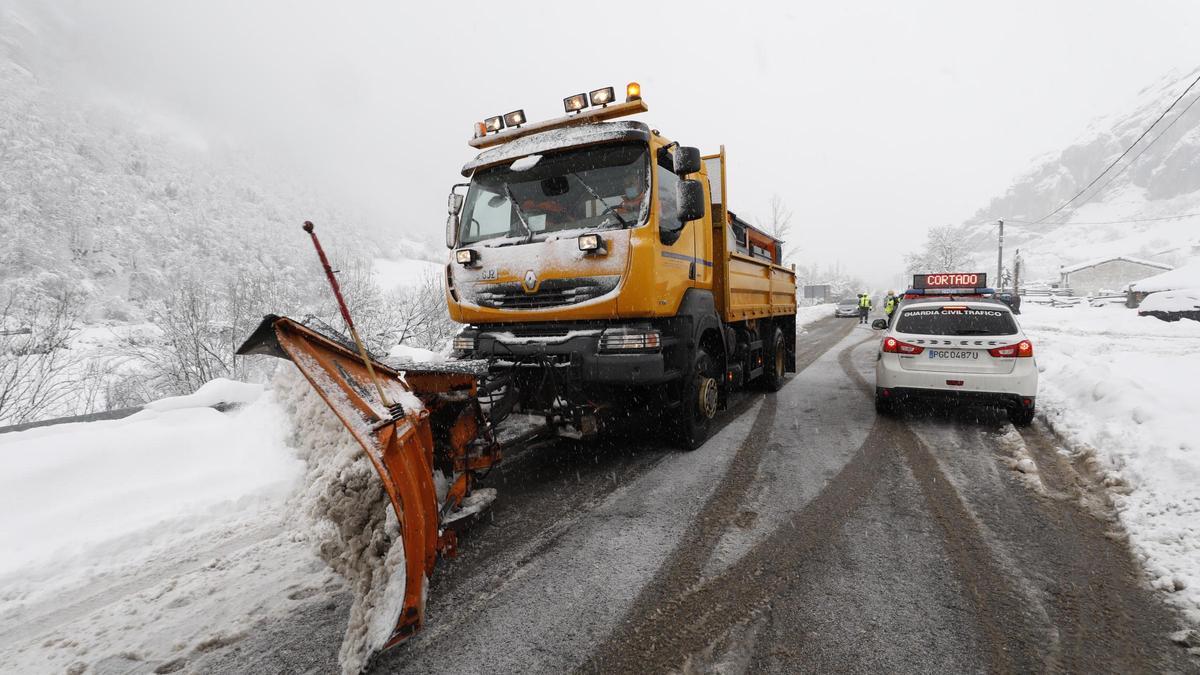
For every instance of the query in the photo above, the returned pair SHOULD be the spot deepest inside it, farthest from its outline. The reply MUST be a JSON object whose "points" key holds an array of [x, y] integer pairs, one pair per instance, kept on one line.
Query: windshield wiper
{"points": [[607, 208], [520, 213]]}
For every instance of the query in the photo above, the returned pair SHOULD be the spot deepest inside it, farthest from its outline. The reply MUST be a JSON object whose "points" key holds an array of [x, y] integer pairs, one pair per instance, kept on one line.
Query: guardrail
{"points": [[117, 414]]}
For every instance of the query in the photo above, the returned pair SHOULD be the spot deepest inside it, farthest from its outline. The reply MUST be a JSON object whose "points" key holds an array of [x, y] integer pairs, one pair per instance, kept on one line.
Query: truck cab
{"points": [[597, 269]]}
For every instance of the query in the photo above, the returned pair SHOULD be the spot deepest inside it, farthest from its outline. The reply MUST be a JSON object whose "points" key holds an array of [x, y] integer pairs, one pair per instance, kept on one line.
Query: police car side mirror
{"points": [[691, 200], [879, 324]]}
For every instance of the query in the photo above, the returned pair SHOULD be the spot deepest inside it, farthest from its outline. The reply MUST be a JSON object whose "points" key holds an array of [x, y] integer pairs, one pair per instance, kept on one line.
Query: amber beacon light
{"points": [[633, 91]]}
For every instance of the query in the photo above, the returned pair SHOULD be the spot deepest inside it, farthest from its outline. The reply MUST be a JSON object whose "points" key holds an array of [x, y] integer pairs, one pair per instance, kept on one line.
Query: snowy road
{"points": [[807, 535]]}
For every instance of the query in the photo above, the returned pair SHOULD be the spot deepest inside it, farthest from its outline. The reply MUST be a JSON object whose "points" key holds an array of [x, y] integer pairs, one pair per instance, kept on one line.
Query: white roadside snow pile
{"points": [[356, 530], [144, 543], [807, 315], [1124, 388]]}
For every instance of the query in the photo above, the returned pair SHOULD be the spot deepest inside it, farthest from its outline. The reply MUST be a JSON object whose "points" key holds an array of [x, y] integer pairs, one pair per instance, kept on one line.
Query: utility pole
{"points": [[1017, 272], [1000, 256]]}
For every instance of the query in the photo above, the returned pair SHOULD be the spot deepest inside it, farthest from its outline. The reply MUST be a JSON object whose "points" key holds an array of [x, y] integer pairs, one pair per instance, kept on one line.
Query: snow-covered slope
{"points": [[1119, 388], [1163, 181]]}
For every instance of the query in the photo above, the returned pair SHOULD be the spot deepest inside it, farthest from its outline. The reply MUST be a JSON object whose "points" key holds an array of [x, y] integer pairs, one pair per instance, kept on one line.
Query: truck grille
{"points": [[551, 293]]}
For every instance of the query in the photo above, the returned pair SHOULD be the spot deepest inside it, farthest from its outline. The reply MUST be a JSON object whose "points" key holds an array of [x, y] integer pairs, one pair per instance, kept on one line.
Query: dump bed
{"points": [[748, 280]]}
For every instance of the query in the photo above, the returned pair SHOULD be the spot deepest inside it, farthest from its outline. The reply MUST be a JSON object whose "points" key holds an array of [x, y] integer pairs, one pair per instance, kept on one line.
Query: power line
{"points": [[1108, 222], [1122, 156], [1137, 156]]}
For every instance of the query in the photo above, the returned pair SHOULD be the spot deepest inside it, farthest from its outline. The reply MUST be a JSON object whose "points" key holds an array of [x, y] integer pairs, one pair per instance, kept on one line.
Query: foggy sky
{"points": [[872, 121]]}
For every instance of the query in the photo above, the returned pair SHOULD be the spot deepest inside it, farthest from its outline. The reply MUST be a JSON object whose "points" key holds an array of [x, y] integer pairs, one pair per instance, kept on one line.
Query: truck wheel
{"points": [[776, 362], [701, 394]]}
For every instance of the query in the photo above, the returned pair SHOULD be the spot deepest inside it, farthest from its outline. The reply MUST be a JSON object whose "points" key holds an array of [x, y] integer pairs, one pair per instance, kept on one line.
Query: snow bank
{"points": [[398, 274], [109, 489], [356, 529], [141, 544], [1123, 387], [1185, 276], [402, 353], [211, 393], [807, 315], [148, 543], [1186, 300]]}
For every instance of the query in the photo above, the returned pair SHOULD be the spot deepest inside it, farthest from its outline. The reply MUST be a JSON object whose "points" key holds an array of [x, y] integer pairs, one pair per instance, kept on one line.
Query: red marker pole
{"points": [[337, 293]]}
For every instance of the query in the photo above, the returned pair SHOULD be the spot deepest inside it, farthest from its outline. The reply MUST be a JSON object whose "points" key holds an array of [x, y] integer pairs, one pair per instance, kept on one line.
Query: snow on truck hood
{"points": [[556, 139]]}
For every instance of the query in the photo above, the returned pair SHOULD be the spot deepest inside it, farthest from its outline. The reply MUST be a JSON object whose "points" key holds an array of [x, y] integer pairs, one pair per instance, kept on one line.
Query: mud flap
{"points": [[435, 419]]}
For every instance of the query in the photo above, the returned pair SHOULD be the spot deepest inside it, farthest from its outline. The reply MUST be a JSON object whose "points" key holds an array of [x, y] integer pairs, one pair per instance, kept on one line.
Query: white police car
{"points": [[956, 344]]}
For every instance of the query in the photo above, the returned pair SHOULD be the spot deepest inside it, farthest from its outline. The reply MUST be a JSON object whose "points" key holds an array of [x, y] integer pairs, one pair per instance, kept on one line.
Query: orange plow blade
{"points": [[434, 423]]}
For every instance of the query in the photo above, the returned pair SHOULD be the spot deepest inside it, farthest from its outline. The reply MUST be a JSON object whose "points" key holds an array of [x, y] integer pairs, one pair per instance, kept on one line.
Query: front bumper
{"points": [[576, 351]]}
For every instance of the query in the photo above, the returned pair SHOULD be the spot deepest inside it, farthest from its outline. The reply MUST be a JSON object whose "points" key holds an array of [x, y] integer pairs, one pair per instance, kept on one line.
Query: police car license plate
{"points": [[952, 354]]}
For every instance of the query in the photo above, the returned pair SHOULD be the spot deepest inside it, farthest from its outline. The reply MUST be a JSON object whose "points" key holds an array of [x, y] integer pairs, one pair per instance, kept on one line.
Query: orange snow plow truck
{"points": [[602, 281]]}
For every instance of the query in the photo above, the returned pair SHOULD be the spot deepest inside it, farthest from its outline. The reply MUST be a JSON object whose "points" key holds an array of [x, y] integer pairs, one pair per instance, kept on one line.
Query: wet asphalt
{"points": [[808, 535]]}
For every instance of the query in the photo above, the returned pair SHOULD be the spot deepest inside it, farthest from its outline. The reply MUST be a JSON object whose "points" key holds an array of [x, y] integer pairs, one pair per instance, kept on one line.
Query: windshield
{"points": [[941, 321], [584, 189]]}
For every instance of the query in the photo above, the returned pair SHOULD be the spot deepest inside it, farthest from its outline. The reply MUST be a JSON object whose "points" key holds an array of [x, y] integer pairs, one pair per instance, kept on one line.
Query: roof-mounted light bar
{"points": [[492, 130], [514, 119], [601, 97], [575, 102]]}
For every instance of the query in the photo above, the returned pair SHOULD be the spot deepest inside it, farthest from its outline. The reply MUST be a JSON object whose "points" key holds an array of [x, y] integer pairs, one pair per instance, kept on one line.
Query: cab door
{"points": [[678, 240]]}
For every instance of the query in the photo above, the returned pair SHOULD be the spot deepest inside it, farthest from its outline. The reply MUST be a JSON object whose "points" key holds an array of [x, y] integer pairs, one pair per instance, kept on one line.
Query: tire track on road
{"points": [[677, 614], [1000, 614]]}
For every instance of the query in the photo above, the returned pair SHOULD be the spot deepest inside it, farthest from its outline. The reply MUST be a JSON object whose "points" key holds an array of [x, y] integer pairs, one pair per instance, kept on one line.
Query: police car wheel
{"points": [[884, 406], [1021, 417]]}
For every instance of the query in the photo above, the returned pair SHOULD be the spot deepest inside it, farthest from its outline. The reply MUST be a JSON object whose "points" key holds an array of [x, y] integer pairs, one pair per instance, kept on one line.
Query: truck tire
{"points": [[700, 397], [776, 362]]}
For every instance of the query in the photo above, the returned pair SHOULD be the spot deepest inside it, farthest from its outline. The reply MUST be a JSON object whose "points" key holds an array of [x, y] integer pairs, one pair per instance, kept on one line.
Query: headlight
{"points": [[591, 243], [466, 257], [494, 124], [464, 343], [601, 96], [575, 103], [514, 119], [626, 339]]}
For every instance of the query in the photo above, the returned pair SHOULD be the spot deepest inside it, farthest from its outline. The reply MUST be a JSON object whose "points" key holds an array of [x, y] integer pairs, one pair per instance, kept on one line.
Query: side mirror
{"points": [[454, 204], [686, 161], [451, 230], [879, 324], [691, 200]]}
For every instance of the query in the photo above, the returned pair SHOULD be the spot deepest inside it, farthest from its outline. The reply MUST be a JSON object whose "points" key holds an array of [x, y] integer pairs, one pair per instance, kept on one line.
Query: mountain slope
{"points": [[1158, 179]]}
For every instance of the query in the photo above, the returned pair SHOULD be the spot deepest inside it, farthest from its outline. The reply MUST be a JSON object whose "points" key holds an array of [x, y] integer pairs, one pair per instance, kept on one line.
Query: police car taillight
{"points": [[893, 346], [1022, 348]]}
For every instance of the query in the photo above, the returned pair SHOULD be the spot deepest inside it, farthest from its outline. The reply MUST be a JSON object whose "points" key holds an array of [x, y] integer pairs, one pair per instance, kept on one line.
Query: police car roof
{"points": [[942, 300]]}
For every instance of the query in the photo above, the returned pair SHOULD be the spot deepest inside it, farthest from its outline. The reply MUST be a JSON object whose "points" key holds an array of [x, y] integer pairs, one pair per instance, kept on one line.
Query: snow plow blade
{"points": [[435, 423]]}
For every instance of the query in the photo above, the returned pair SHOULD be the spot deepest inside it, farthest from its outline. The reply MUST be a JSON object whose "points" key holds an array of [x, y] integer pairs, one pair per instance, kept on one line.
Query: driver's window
{"points": [[668, 201]]}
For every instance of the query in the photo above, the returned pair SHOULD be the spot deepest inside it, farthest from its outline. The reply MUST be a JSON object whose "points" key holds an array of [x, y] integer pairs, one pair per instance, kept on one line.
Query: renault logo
{"points": [[531, 281]]}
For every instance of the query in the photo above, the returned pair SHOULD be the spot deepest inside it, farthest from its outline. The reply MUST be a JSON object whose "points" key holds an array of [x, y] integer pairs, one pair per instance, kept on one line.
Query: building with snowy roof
{"points": [[1186, 276], [1107, 274]]}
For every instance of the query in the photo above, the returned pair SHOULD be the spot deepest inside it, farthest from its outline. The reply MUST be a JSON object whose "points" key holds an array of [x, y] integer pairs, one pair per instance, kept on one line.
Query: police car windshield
{"points": [[598, 187], [956, 321]]}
